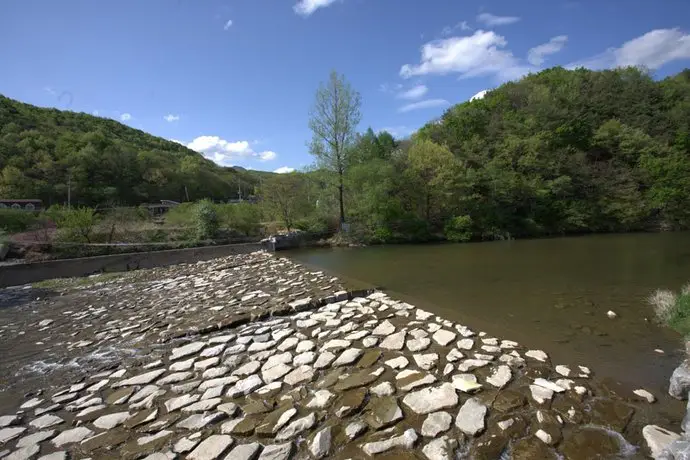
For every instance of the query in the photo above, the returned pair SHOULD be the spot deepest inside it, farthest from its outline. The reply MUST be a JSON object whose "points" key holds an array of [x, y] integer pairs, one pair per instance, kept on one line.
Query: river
{"points": [[552, 294]]}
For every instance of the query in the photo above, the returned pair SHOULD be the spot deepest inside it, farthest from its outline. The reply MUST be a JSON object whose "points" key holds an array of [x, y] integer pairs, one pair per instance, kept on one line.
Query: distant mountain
{"points": [[104, 162]]}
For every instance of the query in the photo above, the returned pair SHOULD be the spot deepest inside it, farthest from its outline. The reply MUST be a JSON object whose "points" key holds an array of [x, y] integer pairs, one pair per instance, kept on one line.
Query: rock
{"points": [[383, 412], [397, 363], [8, 420], [23, 453], [465, 344], [321, 444], [548, 384], [442, 448], [500, 376], [245, 386], [431, 399], [545, 437], [324, 360], [186, 350], [141, 379], [369, 342], [35, 438], [563, 370], [348, 357], [680, 381], [199, 421], [336, 344], [395, 341], [505, 424], [419, 344], [301, 359], [184, 445], [538, 355], [589, 442], [276, 372], [466, 383], [384, 329], [427, 361], [276, 452], [62, 455], [71, 436], [469, 364], [383, 389], [470, 418], [645, 394], [354, 429], [658, 439], [443, 337], [109, 421], [609, 413], [530, 448], [454, 355], [408, 380], [247, 369], [296, 427], [173, 404], [320, 400], [46, 421], [299, 375], [436, 423], [288, 344], [211, 448], [7, 434], [404, 441], [244, 451], [611, 314], [541, 394]]}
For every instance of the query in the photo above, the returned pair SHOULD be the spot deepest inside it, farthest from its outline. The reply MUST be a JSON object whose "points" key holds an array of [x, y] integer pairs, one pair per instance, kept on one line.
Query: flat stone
{"points": [[288, 344], [427, 361], [321, 444], [31, 403], [182, 365], [276, 420], [548, 384], [500, 376], [442, 448], [431, 399], [46, 421], [563, 370], [244, 451], [211, 448], [7, 434], [646, 395], [466, 383], [109, 421], [140, 395], [321, 399], [419, 344], [470, 418], [408, 380], [276, 372], [245, 386], [174, 378], [199, 421], [247, 369], [296, 427], [383, 412], [369, 359], [7, 420], [276, 452], [301, 359], [394, 342], [299, 375], [141, 379], [356, 380], [348, 357], [206, 363], [336, 344], [541, 394], [35, 438], [436, 423], [324, 360], [369, 342], [71, 436], [465, 344], [470, 364], [383, 389], [350, 402], [537, 354], [658, 439], [384, 329], [404, 441], [186, 350], [443, 337], [186, 444], [23, 453], [397, 363]]}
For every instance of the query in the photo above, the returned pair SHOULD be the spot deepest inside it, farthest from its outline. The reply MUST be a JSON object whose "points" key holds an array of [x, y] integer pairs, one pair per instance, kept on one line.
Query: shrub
{"points": [[245, 218], [673, 309], [181, 215], [459, 229], [205, 220], [75, 224], [16, 220]]}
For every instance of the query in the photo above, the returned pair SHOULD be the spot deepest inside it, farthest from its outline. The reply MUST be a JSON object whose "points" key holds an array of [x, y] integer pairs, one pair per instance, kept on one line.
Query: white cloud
{"points": [[491, 20], [398, 131], [481, 53], [651, 50], [284, 170], [425, 104], [226, 153], [479, 95], [414, 93], [228, 24], [464, 26], [307, 7], [170, 118], [125, 117], [388, 88], [536, 56]]}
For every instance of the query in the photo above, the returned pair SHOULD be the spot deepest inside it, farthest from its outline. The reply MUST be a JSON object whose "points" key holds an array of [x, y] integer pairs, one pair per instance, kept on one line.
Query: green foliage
{"points": [[205, 220], [244, 218], [284, 197], [16, 220], [673, 309], [459, 229], [75, 225], [45, 152]]}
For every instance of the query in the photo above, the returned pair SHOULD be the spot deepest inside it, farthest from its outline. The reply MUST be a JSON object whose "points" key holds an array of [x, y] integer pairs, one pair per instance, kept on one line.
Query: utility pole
{"points": [[239, 189], [69, 191]]}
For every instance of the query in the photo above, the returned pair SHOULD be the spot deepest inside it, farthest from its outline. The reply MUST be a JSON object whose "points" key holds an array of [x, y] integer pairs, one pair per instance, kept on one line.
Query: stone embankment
{"points": [[256, 357]]}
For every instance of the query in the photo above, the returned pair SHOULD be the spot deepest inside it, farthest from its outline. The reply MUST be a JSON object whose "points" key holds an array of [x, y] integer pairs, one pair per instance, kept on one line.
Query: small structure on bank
{"points": [[21, 204]]}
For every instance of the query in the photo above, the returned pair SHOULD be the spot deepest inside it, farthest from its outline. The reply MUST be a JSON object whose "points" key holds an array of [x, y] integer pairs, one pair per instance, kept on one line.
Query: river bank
{"points": [[257, 355]]}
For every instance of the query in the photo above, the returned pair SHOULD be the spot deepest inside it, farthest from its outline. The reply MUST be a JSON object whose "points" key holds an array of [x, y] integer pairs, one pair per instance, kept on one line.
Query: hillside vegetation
{"points": [[108, 163]]}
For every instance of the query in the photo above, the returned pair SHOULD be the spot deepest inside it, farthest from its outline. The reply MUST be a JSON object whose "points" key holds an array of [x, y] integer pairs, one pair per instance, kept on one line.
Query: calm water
{"points": [[550, 294]]}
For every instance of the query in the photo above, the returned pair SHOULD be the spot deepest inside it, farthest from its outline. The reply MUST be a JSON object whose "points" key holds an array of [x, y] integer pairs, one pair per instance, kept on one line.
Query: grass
{"points": [[64, 283], [673, 309]]}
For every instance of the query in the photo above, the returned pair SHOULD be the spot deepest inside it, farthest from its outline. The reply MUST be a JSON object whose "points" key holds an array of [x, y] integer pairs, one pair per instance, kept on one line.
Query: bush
{"points": [[205, 220], [673, 310], [314, 224], [16, 220], [244, 218], [75, 224], [181, 215], [459, 229]]}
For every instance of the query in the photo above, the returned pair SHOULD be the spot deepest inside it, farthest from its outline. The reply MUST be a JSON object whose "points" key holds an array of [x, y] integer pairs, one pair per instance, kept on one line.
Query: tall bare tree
{"points": [[333, 121]]}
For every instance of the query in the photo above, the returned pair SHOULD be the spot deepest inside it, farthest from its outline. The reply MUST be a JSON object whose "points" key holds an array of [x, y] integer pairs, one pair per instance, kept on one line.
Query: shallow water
{"points": [[551, 294]]}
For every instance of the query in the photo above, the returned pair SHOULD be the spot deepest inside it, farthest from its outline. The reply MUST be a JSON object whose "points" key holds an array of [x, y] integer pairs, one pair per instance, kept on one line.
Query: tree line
{"points": [[558, 152]]}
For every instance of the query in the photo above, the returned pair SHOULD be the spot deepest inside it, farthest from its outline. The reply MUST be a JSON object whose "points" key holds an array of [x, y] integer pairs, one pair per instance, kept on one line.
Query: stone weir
{"points": [[256, 357]]}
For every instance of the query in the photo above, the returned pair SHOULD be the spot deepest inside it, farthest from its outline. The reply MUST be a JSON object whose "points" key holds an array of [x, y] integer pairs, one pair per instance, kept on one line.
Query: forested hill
{"points": [[569, 151], [108, 162]]}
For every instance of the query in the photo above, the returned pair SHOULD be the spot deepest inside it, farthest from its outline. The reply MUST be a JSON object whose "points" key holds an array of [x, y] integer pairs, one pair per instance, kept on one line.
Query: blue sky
{"points": [[234, 79]]}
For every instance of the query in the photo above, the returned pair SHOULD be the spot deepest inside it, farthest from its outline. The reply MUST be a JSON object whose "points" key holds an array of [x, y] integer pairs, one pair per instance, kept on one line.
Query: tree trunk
{"points": [[342, 206]]}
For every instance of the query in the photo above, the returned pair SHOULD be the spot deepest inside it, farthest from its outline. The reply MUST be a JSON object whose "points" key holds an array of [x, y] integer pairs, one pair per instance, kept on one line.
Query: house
{"points": [[22, 204]]}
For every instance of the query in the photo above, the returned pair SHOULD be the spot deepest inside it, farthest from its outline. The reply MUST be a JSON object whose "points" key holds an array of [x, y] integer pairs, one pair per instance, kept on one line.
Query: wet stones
{"points": [[299, 375], [404, 441], [141, 379], [383, 412], [348, 356], [109, 421], [658, 439], [443, 337], [245, 451], [384, 329], [436, 423], [186, 350], [394, 342], [470, 418], [8, 434], [431, 399], [442, 448], [467, 383], [427, 361], [407, 380], [610, 413], [321, 444], [211, 448], [369, 359], [276, 452], [296, 427]]}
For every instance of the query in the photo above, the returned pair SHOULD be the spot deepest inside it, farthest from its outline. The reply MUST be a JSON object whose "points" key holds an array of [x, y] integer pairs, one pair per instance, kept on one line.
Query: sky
{"points": [[235, 79]]}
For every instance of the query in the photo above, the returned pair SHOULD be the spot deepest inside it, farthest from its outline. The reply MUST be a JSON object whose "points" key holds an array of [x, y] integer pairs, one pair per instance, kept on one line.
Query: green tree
{"points": [[284, 196], [333, 121]]}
